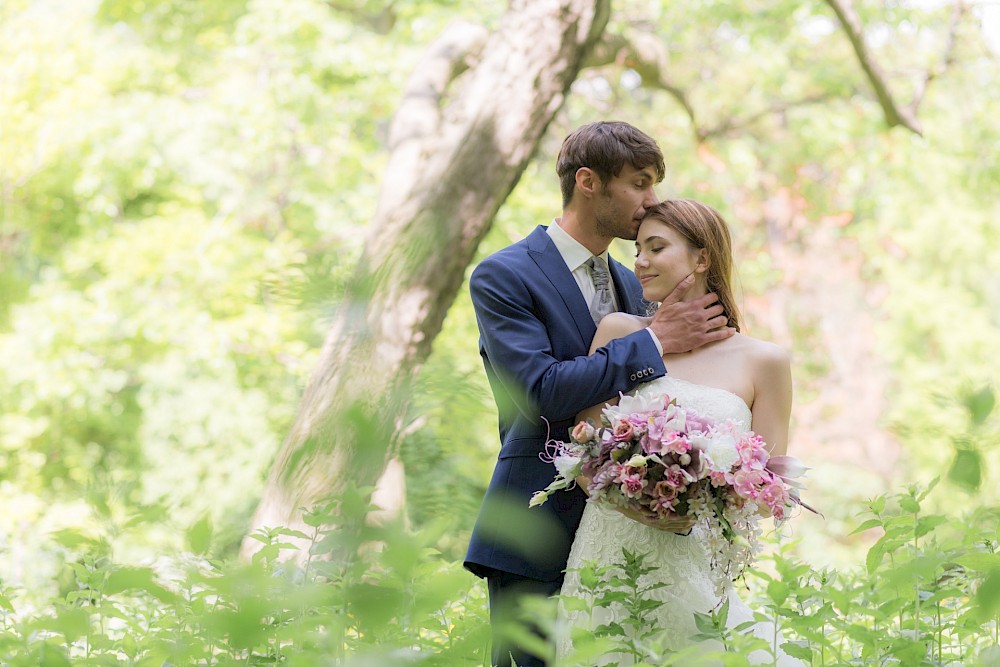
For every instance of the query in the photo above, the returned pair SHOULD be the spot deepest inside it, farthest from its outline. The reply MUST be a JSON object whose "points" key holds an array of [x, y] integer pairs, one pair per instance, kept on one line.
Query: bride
{"points": [[739, 378]]}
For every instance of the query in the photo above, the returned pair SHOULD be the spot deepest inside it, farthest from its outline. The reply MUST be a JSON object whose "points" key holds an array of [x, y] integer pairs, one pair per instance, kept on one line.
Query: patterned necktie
{"points": [[601, 304]]}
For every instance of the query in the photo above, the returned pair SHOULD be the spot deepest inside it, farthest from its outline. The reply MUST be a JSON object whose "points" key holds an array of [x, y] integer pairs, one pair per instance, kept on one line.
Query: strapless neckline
{"points": [[723, 405]]}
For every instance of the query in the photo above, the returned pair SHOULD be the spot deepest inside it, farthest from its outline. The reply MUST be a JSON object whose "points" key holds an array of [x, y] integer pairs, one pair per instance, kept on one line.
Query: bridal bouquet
{"points": [[668, 462]]}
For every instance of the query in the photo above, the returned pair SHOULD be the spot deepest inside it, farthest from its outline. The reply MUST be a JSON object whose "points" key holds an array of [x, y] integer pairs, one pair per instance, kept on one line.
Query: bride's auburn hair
{"points": [[703, 228]]}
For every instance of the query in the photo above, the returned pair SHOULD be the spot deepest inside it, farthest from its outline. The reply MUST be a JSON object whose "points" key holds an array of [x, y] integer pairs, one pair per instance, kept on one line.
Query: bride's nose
{"points": [[640, 260]]}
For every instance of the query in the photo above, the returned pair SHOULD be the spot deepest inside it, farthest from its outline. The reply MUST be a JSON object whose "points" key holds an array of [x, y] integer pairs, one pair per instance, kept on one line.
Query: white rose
{"points": [[721, 452], [568, 466]]}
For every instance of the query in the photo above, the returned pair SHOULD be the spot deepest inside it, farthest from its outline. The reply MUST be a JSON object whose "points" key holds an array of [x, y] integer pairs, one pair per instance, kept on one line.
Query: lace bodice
{"points": [[682, 561], [718, 404]]}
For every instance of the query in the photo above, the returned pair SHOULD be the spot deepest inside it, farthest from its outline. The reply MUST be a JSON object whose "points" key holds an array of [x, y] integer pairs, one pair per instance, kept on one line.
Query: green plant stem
{"points": [[940, 630]]}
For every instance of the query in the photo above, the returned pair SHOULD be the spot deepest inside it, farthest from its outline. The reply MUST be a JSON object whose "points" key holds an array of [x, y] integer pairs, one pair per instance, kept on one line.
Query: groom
{"points": [[537, 305]]}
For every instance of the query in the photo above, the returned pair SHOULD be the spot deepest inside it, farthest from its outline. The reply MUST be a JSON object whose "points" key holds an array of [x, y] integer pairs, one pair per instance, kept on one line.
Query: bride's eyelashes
{"points": [[651, 250]]}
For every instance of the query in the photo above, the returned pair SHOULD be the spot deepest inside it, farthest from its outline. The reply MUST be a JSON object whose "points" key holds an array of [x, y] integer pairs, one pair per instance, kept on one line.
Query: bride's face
{"points": [[664, 258]]}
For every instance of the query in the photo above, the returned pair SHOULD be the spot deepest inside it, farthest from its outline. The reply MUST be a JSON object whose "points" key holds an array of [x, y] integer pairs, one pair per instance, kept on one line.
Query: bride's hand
{"points": [[679, 525], [682, 326]]}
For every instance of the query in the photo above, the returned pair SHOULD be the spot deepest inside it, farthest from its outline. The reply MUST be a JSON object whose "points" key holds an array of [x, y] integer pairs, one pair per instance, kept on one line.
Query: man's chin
{"points": [[633, 231]]}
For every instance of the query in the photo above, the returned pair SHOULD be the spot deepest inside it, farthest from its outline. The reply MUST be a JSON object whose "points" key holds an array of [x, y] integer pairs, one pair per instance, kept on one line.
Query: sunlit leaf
{"points": [[980, 404], [966, 469], [199, 535]]}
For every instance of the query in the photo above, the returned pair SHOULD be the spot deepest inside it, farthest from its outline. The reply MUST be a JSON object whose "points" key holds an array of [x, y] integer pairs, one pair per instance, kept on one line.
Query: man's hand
{"points": [[682, 326], [679, 525]]}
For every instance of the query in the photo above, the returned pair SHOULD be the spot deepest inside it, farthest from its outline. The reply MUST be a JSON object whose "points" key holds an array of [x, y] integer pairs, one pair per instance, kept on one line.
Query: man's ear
{"points": [[702, 262], [587, 182]]}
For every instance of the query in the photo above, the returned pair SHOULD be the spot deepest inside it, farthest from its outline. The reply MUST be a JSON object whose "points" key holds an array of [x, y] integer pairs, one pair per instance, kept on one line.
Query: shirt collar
{"points": [[572, 251]]}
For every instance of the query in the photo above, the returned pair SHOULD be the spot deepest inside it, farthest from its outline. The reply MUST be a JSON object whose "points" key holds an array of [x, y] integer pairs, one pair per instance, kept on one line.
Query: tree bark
{"points": [[451, 167]]}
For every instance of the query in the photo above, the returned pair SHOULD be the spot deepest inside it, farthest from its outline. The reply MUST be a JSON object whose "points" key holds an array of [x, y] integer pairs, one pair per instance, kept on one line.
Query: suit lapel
{"points": [[550, 262]]}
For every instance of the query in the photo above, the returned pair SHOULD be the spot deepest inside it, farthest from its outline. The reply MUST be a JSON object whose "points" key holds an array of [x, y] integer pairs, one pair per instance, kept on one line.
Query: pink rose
{"points": [[583, 433], [665, 490], [623, 431]]}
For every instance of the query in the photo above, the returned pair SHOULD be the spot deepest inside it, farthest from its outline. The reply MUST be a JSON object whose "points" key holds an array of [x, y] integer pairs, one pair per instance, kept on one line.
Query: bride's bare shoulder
{"points": [[765, 356]]}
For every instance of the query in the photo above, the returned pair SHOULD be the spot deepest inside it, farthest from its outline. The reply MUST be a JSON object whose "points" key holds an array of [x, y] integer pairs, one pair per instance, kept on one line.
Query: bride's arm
{"points": [[614, 325], [772, 403]]}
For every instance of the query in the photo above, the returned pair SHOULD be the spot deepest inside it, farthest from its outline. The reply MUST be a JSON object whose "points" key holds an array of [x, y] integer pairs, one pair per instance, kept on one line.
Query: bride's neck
{"points": [[699, 289]]}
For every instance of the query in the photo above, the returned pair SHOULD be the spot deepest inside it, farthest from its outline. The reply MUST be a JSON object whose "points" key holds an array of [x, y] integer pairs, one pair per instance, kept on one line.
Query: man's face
{"points": [[622, 202]]}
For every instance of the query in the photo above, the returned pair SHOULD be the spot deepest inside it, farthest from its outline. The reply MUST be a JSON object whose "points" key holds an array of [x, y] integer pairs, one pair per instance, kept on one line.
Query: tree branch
{"points": [[382, 22], [777, 107], [644, 53], [894, 113], [947, 58], [419, 112]]}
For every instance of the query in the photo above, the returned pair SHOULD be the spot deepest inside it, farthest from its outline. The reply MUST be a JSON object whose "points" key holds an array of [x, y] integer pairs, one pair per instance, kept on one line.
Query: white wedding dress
{"points": [[682, 561]]}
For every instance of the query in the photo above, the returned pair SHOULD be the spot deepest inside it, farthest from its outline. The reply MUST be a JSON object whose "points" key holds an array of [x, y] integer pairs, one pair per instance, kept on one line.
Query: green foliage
{"points": [[362, 595], [927, 594], [185, 188]]}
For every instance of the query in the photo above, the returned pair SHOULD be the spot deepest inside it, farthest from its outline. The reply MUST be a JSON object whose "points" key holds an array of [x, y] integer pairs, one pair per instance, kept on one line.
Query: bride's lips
{"points": [[645, 279]]}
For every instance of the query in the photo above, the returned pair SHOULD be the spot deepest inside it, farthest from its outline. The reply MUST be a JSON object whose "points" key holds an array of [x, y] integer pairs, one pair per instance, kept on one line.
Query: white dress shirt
{"points": [[576, 257]]}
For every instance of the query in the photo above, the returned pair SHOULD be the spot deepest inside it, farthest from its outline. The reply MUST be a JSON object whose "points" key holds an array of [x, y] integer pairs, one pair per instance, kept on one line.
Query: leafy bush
{"points": [[927, 594]]}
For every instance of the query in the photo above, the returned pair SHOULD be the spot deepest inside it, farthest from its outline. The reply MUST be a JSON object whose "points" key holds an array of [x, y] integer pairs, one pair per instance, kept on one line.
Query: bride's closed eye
{"points": [[651, 250]]}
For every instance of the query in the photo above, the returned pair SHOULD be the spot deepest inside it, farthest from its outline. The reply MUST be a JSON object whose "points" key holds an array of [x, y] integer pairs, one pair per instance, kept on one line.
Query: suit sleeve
{"points": [[516, 342]]}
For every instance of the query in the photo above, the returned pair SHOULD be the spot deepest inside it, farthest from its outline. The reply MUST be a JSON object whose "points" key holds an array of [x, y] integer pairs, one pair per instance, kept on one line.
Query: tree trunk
{"points": [[450, 169]]}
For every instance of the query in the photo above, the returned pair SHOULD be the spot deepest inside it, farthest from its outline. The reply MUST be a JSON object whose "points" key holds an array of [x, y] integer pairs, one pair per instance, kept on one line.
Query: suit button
{"points": [[632, 377]]}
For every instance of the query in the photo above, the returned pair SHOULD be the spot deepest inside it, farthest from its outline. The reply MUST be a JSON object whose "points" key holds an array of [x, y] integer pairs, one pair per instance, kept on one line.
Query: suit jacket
{"points": [[535, 333]]}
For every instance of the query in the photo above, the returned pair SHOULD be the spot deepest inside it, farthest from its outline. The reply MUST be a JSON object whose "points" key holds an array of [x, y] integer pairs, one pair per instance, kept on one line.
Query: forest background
{"points": [[193, 192]]}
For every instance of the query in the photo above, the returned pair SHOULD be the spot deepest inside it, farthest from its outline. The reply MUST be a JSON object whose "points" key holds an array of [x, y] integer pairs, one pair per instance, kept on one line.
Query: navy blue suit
{"points": [[535, 334]]}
